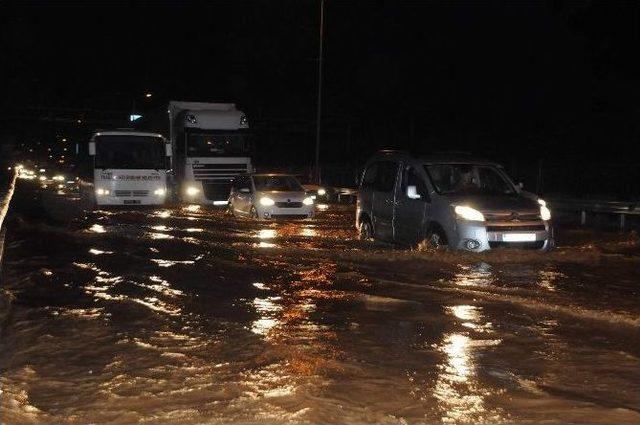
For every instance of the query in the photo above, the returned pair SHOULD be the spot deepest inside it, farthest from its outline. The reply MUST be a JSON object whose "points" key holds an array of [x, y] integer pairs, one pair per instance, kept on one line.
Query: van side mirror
{"points": [[92, 148], [245, 190], [520, 186], [412, 193]]}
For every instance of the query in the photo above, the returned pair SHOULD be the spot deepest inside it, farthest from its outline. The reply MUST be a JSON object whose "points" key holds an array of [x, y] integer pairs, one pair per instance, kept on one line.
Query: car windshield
{"points": [[468, 179], [219, 143], [130, 152], [277, 183]]}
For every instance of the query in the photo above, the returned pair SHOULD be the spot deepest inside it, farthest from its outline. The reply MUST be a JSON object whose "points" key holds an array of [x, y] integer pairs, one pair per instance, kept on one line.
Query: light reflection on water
{"points": [[267, 233], [474, 275], [97, 228], [266, 309]]}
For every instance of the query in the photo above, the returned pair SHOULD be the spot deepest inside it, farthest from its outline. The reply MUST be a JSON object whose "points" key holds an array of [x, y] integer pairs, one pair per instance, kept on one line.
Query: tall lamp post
{"points": [[319, 112]]}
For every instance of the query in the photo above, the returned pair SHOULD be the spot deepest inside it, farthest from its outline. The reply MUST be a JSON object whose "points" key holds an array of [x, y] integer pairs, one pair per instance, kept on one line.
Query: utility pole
{"points": [[319, 117]]}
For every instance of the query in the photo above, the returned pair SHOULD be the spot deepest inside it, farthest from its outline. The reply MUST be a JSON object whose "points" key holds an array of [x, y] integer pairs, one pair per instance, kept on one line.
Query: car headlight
{"points": [[322, 191], [267, 202], [160, 192], [59, 178], [308, 200], [545, 212], [192, 191], [468, 213], [102, 192]]}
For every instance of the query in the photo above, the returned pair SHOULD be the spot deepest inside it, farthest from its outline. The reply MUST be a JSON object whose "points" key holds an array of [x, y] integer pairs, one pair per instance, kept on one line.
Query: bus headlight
{"points": [[160, 192], [468, 213], [192, 191], [545, 212], [308, 200], [102, 192], [267, 202]]}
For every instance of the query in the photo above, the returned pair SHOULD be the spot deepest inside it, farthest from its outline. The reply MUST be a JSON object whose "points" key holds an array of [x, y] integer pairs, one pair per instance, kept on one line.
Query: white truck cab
{"points": [[211, 147], [127, 168]]}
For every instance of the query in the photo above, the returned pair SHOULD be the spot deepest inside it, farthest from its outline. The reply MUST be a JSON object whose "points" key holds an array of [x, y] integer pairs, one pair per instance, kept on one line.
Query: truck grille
{"points": [[289, 204], [218, 171]]}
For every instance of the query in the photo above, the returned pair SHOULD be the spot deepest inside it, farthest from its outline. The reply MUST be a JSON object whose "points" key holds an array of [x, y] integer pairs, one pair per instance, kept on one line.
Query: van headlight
{"points": [[102, 192], [308, 200], [160, 192], [545, 212], [267, 202], [192, 191], [468, 213]]}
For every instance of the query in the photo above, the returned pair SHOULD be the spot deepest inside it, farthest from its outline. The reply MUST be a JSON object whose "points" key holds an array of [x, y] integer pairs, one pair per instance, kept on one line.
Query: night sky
{"points": [[428, 76]]}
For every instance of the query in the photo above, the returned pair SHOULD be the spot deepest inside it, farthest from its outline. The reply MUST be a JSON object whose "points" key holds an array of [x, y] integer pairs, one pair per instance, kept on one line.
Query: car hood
{"points": [[496, 203], [278, 196]]}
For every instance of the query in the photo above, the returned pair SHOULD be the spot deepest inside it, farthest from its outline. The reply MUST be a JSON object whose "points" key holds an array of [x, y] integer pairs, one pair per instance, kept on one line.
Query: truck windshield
{"points": [[219, 143], [277, 183], [468, 179], [130, 152]]}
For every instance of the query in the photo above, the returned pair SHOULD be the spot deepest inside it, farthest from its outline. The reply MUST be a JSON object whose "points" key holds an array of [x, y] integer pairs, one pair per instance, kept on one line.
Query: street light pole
{"points": [[319, 116]]}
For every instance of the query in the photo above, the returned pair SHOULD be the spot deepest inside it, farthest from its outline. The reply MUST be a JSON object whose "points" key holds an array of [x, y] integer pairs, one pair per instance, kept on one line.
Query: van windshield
{"points": [[130, 152], [277, 183], [468, 179]]}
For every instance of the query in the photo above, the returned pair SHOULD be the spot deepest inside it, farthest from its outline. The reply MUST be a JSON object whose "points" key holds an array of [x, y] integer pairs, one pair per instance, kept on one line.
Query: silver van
{"points": [[454, 202]]}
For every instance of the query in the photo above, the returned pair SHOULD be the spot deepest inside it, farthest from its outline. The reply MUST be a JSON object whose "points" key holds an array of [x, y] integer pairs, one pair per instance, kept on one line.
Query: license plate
{"points": [[131, 201], [519, 237]]}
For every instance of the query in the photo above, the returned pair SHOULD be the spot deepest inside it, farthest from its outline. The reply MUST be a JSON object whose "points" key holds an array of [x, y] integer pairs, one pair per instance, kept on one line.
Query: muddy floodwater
{"points": [[185, 315]]}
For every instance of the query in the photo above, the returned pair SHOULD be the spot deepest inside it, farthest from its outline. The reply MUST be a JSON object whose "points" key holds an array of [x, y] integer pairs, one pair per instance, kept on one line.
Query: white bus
{"points": [[211, 147], [126, 168]]}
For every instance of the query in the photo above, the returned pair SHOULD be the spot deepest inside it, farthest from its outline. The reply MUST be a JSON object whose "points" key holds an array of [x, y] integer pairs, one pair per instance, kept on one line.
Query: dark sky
{"points": [[407, 70]]}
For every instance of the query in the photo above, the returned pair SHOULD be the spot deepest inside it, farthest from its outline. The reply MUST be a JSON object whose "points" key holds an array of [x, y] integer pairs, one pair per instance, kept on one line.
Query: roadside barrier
{"points": [[623, 209]]}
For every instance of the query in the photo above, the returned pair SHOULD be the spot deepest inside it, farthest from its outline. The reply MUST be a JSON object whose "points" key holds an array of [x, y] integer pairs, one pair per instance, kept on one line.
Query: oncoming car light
{"points": [[160, 192], [545, 212], [267, 202], [308, 200], [102, 192], [59, 178], [468, 213], [192, 191], [322, 191]]}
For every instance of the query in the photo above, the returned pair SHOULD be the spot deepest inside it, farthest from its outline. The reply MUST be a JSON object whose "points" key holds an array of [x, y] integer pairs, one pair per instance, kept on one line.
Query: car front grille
{"points": [[517, 245], [516, 228], [511, 217], [289, 216], [289, 204]]}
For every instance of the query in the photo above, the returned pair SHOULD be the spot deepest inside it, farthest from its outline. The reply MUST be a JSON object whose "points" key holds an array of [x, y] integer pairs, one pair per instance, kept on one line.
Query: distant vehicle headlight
{"points": [[308, 200], [59, 178], [42, 178], [468, 213], [160, 192], [102, 192], [267, 202], [545, 212], [192, 191], [322, 191]]}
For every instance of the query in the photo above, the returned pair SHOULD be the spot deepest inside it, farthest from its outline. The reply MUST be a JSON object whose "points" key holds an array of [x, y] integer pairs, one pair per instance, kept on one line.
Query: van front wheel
{"points": [[365, 233], [433, 239]]}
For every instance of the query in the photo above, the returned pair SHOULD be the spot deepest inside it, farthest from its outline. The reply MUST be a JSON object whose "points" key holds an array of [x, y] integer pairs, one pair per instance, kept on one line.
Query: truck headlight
{"points": [[545, 212], [308, 200], [192, 191], [160, 192], [468, 213], [267, 202], [102, 192]]}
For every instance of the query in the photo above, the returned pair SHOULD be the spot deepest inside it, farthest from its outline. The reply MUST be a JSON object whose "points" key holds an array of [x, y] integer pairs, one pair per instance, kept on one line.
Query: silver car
{"points": [[270, 196], [454, 202]]}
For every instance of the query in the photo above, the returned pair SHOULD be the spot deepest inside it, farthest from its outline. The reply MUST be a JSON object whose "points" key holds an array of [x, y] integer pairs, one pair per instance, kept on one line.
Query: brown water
{"points": [[188, 316]]}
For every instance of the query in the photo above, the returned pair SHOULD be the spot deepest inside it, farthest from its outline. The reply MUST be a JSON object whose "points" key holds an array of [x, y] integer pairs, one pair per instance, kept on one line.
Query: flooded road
{"points": [[188, 316]]}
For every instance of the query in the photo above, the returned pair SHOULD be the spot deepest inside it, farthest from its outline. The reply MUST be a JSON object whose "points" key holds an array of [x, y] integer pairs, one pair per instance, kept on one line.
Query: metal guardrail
{"points": [[583, 206]]}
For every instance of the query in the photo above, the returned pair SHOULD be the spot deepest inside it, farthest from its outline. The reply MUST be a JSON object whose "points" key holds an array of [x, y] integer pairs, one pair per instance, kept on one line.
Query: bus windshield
{"points": [[219, 143], [130, 152]]}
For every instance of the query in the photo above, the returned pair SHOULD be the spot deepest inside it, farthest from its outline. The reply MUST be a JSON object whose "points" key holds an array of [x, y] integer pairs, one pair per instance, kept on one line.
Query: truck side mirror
{"points": [[167, 149], [92, 148], [412, 193]]}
